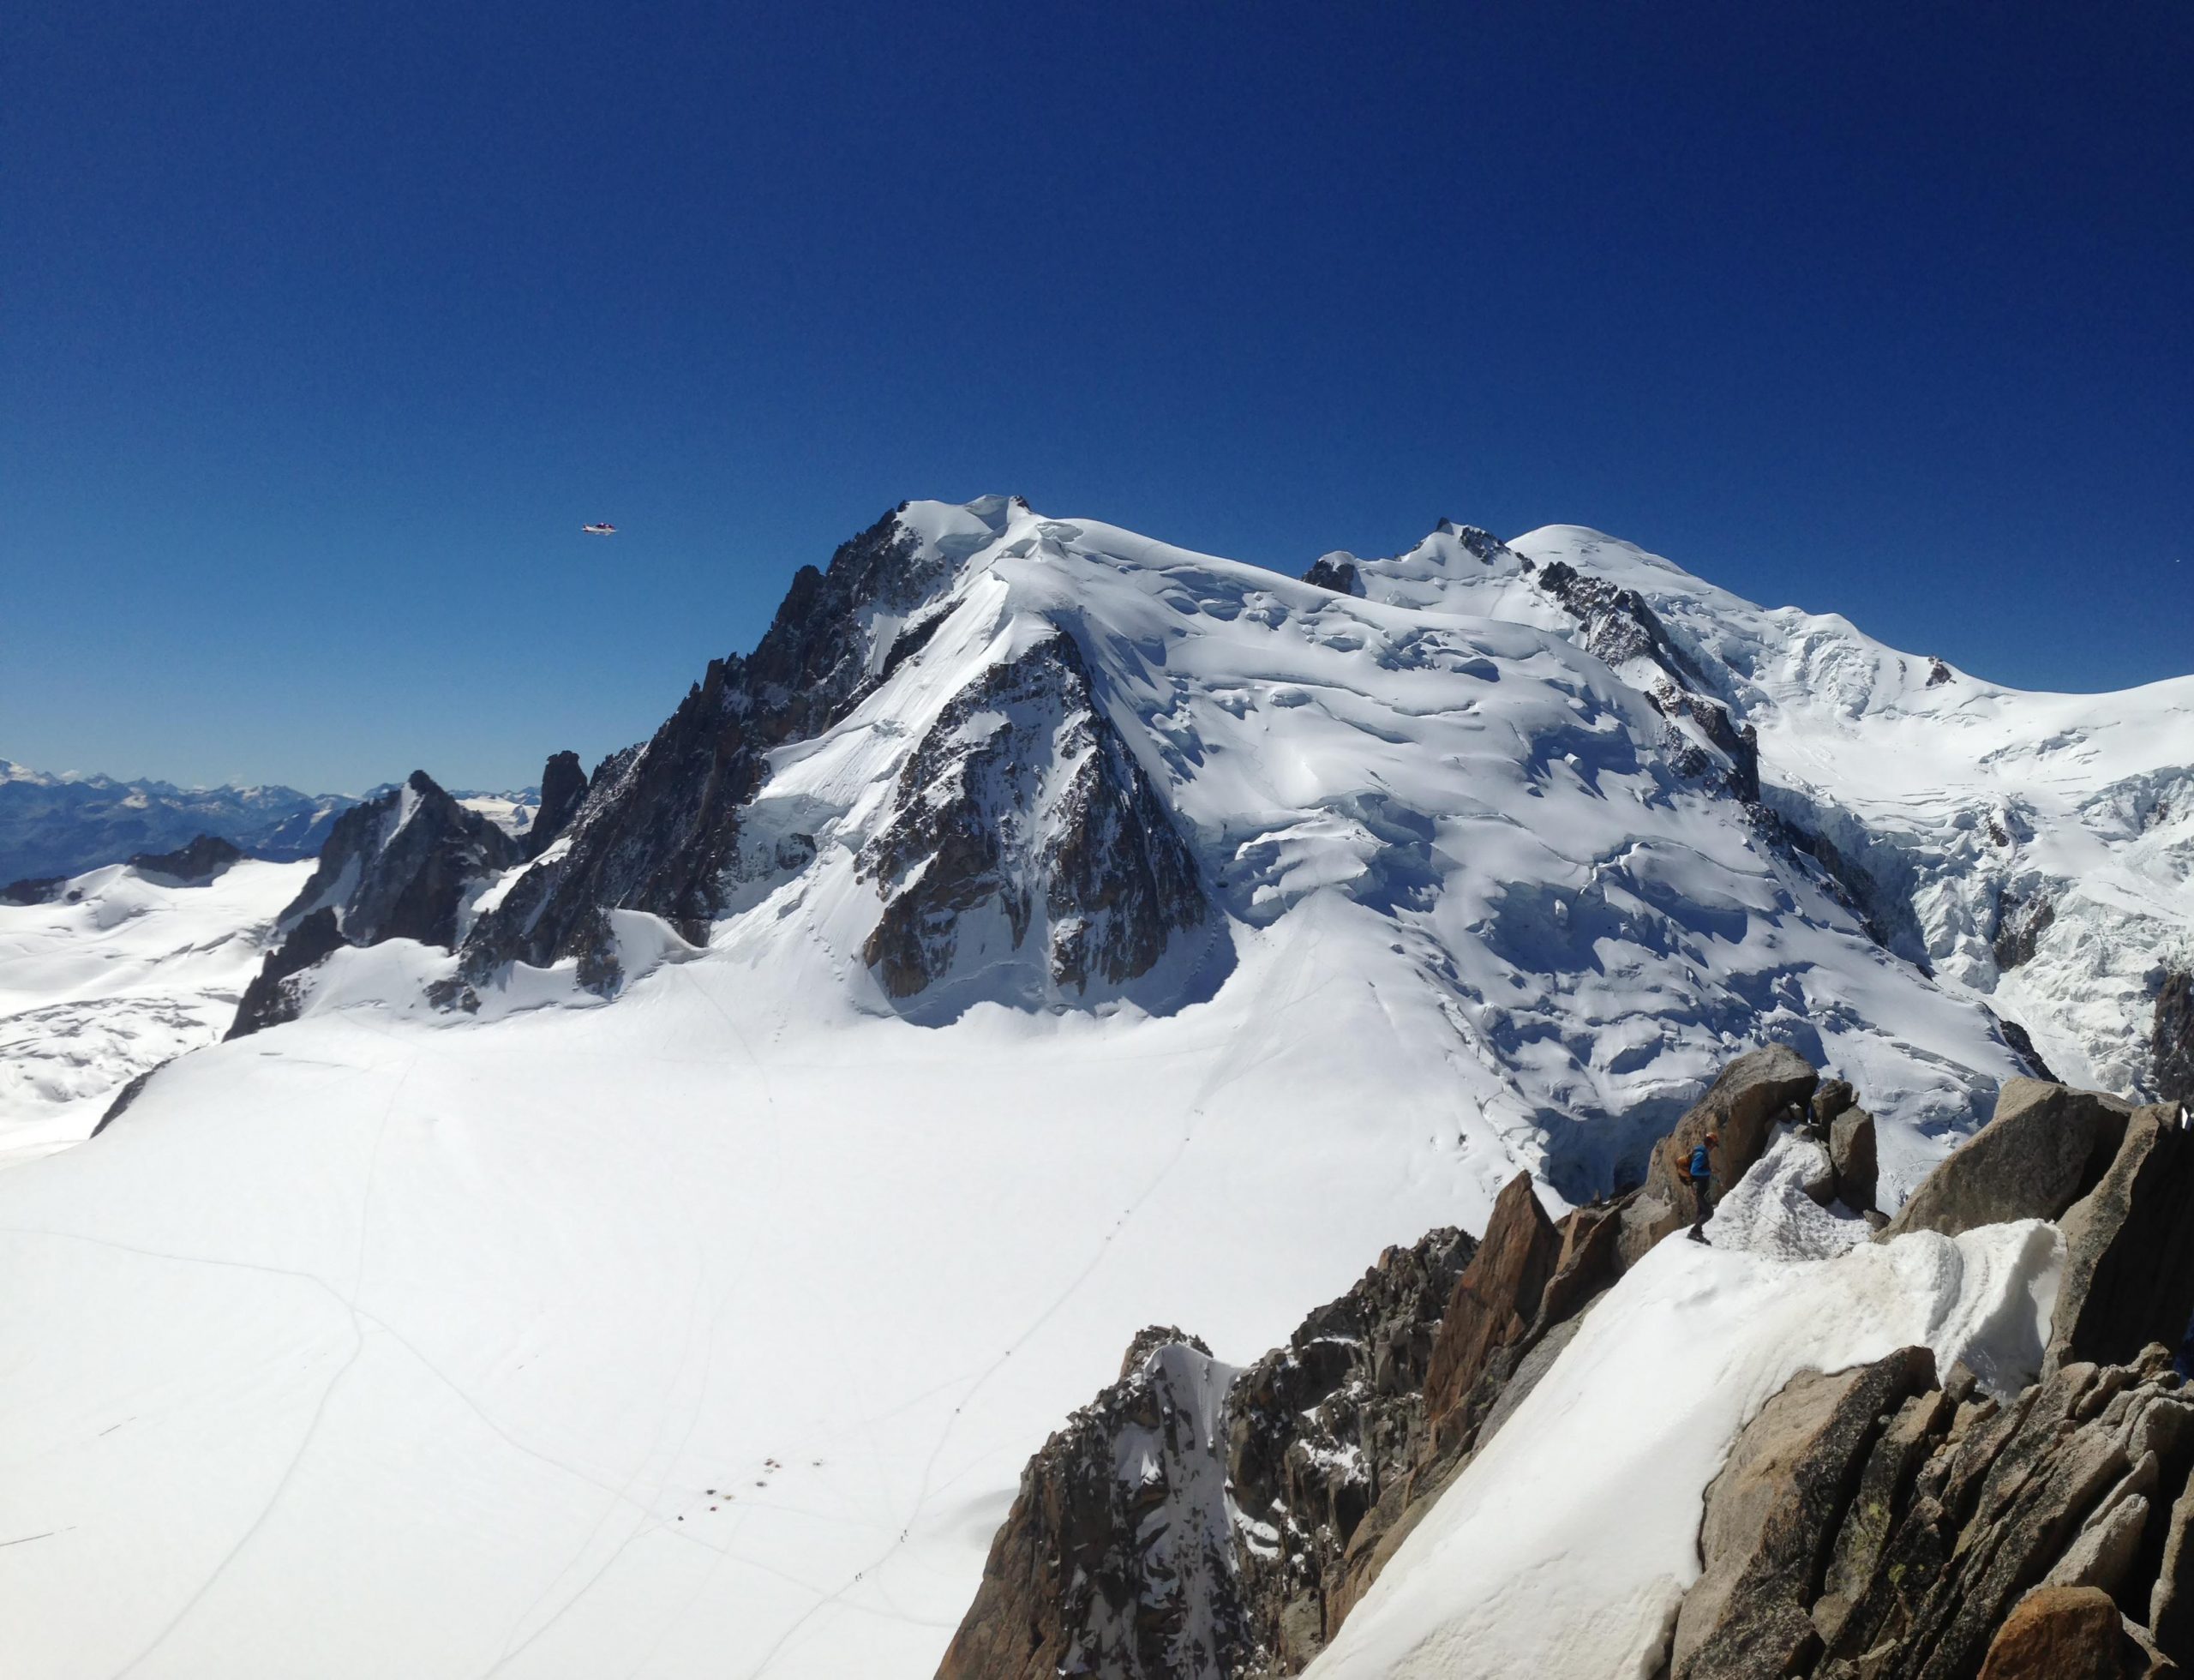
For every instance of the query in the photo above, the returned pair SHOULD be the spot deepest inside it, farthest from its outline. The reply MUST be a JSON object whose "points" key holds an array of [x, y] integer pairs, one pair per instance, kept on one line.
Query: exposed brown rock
{"points": [[1741, 1109], [2045, 1146], [1496, 1299], [2058, 1633], [1773, 1517]]}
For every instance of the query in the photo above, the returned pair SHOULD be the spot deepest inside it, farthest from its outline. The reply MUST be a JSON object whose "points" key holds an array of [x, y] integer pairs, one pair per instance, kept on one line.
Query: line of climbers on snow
{"points": [[1201, 1523]]}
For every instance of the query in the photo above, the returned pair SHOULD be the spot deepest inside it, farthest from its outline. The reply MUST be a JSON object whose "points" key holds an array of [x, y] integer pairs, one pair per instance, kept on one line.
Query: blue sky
{"points": [[324, 328]]}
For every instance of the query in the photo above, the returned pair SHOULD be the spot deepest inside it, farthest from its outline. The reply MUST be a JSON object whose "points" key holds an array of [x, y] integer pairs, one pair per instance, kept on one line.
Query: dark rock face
{"points": [[269, 1000], [1938, 672], [40, 890], [2172, 1039], [2129, 1247], [2021, 1044], [1619, 625], [563, 789], [1738, 743], [194, 864], [399, 867], [1101, 1572], [123, 1098], [1043, 818], [1337, 575], [1852, 1152], [1217, 1556], [658, 829], [1741, 1109], [2046, 1146], [2020, 924]]}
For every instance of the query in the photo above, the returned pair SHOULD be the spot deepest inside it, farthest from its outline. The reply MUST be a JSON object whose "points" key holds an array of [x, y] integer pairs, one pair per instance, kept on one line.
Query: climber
{"points": [[1698, 1173]]}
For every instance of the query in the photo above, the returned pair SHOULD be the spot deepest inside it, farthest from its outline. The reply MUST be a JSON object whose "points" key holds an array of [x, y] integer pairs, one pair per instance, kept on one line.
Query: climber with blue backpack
{"points": [[1698, 1172]]}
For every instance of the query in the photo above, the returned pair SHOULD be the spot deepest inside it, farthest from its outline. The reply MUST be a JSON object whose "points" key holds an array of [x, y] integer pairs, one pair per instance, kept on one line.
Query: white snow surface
{"points": [[1566, 1546], [1953, 792], [706, 1330], [134, 970]]}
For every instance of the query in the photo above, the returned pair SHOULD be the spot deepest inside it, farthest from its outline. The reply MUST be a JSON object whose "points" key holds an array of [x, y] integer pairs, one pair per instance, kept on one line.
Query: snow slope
{"points": [[119, 972], [706, 1328], [1567, 1546], [1965, 803]]}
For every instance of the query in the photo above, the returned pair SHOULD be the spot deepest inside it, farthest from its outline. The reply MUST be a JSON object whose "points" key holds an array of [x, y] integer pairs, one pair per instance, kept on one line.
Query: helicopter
{"points": [[599, 529]]}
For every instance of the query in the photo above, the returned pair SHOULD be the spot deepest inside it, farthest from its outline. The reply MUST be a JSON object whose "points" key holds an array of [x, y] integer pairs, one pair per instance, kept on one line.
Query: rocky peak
{"points": [[398, 867], [1193, 1520], [1022, 811], [196, 864], [658, 829], [403, 865], [563, 790], [1336, 572]]}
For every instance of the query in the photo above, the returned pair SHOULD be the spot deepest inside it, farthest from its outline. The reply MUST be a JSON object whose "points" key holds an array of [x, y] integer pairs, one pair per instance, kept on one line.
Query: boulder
{"points": [[1831, 1098], [1741, 1109], [1773, 1514], [1851, 1149], [2058, 1633], [2045, 1148], [1496, 1299], [2171, 1601], [2129, 1247]]}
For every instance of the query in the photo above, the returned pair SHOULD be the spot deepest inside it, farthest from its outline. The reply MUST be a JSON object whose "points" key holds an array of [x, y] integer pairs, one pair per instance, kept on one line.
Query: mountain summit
{"points": [[660, 1238]]}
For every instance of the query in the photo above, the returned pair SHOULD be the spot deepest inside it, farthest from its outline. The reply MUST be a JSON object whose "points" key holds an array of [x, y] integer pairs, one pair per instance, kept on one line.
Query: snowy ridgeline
{"points": [[659, 1254]]}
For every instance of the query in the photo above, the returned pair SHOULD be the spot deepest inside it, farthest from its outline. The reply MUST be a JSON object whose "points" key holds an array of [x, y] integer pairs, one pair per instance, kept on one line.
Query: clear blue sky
{"points": [[323, 327]]}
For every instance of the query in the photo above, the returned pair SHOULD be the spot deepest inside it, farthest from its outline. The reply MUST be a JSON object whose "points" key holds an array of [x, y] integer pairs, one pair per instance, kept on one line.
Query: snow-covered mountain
{"points": [[654, 1245], [52, 827]]}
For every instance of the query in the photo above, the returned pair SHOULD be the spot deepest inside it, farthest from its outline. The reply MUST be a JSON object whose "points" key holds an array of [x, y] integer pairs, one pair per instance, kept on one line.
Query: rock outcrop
{"points": [[2045, 1146], [1193, 1520], [563, 790], [2059, 1633], [271, 999], [400, 866], [2129, 1246], [659, 828], [1336, 572], [1741, 1109], [203, 860], [1774, 1514], [1023, 810], [1869, 1524], [2171, 1039], [404, 866], [1497, 1298], [1851, 1151]]}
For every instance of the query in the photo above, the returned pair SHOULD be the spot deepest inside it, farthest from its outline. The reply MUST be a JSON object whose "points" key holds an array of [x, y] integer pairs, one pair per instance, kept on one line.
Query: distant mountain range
{"points": [[63, 824]]}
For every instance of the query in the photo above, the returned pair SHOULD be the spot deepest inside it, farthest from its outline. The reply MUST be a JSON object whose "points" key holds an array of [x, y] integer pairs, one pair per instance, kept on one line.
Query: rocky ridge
{"points": [[403, 865], [1883, 1520]]}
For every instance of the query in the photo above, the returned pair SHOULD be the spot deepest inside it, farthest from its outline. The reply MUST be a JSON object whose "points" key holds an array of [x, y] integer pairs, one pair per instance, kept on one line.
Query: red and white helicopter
{"points": [[599, 529]]}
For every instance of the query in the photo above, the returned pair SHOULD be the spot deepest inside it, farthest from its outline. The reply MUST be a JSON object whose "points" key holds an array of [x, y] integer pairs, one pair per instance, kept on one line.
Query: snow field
{"points": [[1566, 1546]]}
